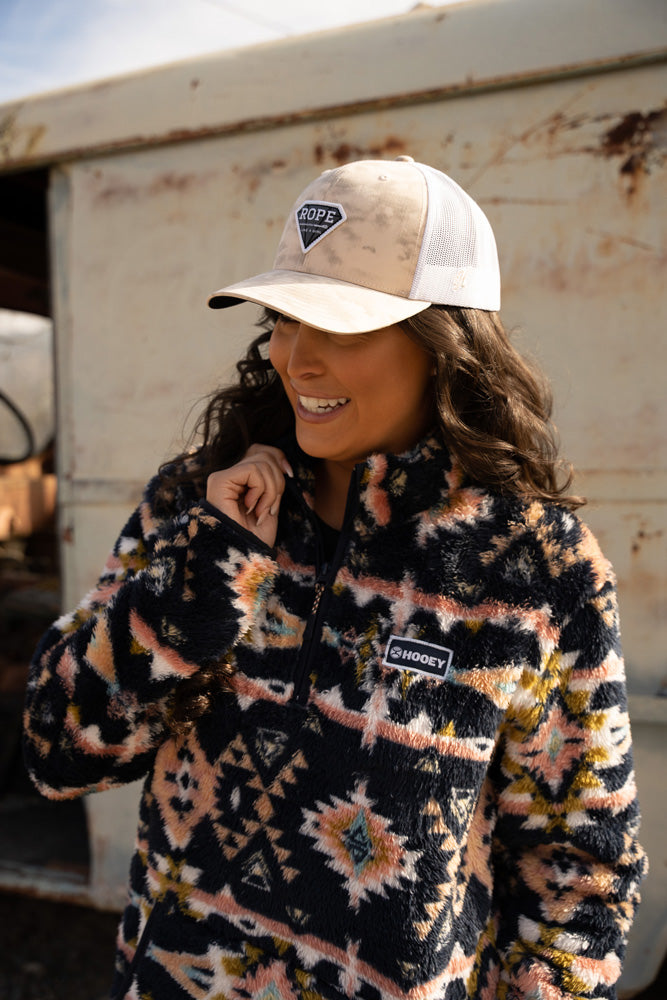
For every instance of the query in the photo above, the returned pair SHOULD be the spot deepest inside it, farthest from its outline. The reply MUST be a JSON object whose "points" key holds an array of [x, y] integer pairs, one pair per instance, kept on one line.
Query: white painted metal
{"points": [[168, 184], [428, 52]]}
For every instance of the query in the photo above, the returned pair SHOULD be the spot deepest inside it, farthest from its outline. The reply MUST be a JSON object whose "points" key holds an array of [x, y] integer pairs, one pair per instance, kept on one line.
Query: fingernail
{"points": [[274, 509], [261, 518], [288, 469]]}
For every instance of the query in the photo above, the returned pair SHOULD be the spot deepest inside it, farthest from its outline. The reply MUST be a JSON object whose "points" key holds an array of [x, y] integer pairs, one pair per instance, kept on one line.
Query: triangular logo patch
{"points": [[316, 219]]}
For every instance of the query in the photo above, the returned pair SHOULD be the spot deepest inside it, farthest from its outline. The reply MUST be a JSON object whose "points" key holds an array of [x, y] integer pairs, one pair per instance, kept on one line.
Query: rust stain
{"points": [[640, 139], [642, 536], [34, 137], [515, 200], [608, 241], [628, 132], [117, 190], [7, 129], [550, 126], [252, 175], [9, 156], [10, 135], [173, 182], [7, 124], [344, 152]]}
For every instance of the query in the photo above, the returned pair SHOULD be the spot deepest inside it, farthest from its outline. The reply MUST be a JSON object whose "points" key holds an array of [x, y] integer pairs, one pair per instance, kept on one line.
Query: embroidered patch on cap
{"points": [[316, 219], [415, 654]]}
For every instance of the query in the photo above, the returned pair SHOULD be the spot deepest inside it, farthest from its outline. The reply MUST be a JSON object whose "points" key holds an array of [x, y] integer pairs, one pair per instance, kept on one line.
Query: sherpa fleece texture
{"points": [[340, 826]]}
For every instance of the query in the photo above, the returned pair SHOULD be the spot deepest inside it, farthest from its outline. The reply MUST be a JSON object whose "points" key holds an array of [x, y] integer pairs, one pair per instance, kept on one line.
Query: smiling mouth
{"points": [[315, 404]]}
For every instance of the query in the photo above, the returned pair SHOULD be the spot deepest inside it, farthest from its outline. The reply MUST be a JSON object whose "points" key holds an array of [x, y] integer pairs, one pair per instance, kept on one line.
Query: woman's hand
{"points": [[250, 491]]}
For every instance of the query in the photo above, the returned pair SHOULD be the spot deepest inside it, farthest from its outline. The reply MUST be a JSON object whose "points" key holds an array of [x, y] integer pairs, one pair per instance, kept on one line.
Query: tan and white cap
{"points": [[373, 242]]}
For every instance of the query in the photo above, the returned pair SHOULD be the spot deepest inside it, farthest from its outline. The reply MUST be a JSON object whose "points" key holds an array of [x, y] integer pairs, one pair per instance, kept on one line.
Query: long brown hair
{"points": [[252, 409], [493, 405], [493, 408]]}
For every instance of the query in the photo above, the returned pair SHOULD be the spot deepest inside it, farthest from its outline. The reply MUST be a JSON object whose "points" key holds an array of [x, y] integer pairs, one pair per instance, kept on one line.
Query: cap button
{"points": [[404, 159]]}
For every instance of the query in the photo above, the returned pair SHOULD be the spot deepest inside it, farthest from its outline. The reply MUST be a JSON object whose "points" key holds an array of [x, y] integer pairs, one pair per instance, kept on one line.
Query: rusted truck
{"points": [[122, 204]]}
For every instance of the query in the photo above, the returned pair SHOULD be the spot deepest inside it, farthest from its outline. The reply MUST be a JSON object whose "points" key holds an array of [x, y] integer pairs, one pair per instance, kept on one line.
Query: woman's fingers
{"points": [[249, 486], [263, 497], [274, 455], [265, 480], [264, 487], [250, 491]]}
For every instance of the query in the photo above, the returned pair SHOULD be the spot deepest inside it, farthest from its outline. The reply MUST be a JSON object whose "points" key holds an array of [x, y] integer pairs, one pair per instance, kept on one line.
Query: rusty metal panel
{"points": [[572, 175], [423, 55]]}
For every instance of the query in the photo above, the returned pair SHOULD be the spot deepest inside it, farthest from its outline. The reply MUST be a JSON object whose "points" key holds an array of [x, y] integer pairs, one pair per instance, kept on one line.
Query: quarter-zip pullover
{"points": [[419, 783]]}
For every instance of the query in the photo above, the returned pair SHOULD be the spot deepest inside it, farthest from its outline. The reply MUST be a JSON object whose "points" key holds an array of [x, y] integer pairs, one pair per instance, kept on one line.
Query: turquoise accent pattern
{"points": [[337, 826]]}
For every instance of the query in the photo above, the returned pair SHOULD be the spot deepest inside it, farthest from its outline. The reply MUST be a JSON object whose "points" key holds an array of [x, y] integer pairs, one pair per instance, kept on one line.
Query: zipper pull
{"points": [[302, 682], [319, 590], [320, 584]]}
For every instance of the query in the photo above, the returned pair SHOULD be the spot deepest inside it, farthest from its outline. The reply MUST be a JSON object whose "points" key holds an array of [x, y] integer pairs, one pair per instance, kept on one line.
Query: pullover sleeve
{"points": [[567, 863], [174, 595]]}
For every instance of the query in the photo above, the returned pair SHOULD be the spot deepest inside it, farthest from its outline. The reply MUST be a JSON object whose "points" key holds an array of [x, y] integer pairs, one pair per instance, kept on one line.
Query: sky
{"points": [[49, 44]]}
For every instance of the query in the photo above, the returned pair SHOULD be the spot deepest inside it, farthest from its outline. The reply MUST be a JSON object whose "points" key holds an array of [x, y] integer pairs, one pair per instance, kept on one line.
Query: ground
{"points": [[54, 951]]}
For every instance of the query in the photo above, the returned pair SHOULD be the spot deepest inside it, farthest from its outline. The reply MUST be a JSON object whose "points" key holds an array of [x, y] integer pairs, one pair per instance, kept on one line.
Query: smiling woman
{"points": [[352, 395], [360, 647]]}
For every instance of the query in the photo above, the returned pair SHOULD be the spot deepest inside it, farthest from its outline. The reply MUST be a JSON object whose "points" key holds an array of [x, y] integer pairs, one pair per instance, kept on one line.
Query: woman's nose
{"points": [[305, 357]]}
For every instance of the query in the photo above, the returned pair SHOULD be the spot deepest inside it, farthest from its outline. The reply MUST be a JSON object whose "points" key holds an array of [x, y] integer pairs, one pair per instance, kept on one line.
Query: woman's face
{"points": [[353, 394]]}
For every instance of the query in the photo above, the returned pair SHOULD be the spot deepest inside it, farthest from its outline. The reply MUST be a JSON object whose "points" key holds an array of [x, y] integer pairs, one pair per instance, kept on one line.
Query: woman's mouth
{"points": [[320, 406]]}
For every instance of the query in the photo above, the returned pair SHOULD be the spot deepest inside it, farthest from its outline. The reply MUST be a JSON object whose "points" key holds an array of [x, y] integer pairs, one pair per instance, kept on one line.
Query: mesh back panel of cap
{"points": [[458, 261]]}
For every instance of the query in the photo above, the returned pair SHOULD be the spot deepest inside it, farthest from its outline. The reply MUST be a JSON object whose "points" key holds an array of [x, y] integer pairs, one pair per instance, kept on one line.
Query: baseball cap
{"points": [[373, 242]]}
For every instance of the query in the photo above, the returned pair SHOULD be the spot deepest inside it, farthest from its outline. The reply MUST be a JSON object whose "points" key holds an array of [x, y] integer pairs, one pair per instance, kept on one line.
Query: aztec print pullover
{"points": [[419, 784]]}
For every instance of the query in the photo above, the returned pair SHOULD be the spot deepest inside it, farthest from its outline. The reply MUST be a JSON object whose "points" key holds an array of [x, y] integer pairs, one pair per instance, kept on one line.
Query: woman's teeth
{"points": [[315, 405]]}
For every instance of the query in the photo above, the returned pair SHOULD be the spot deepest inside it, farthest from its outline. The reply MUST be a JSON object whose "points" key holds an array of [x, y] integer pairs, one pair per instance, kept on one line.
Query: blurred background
{"points": [[126, 199]]}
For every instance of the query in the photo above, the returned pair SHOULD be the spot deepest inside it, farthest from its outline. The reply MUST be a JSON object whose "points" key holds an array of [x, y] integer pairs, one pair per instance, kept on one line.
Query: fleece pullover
{"points": [[419, 781]]}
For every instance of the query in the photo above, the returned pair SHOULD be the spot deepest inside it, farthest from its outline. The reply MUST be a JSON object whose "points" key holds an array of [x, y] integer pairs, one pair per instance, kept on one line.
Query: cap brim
{"points": [[323, 303]]}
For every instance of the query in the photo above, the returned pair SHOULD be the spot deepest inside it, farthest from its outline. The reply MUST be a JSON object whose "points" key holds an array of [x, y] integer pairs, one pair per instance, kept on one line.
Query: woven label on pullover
{"points": [[415, 654]]}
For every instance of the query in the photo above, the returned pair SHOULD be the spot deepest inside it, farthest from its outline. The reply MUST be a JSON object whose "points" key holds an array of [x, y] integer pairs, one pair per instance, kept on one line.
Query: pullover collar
{"points": [[388, 485]]}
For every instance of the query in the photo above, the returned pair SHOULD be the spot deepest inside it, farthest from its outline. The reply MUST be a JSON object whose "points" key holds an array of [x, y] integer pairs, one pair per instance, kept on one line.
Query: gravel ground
{"points": [[56, 951]]}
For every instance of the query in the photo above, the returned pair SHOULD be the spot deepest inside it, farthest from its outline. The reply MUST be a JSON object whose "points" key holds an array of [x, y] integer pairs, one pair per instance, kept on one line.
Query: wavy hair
{"points": [[493, 405], [493, 410], [252, 409]]}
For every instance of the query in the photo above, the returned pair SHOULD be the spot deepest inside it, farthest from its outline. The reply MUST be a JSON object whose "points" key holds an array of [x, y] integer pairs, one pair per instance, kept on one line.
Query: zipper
{"points": [[302, 674], [326, 574]]}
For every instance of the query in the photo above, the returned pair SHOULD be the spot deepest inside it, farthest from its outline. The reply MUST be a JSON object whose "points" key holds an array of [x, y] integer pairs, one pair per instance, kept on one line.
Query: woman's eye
{"points": [[285, 320], [349, 339]]}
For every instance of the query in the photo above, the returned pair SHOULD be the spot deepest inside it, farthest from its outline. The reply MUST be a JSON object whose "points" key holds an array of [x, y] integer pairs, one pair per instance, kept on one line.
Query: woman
{"points": [[360, 647]]}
